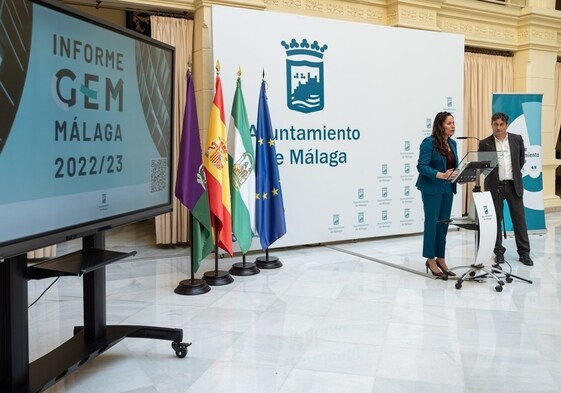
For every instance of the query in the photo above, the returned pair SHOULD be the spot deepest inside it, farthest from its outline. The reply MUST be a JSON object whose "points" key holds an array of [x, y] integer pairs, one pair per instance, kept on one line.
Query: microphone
{"points": [[468, 137]]}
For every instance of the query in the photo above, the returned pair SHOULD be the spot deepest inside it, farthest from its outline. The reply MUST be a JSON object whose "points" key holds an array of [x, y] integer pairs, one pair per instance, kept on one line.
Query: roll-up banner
{"points": [[525, 119]]}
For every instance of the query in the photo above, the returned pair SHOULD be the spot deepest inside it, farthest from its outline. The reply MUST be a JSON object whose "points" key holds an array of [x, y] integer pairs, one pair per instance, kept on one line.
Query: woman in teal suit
{"points": [[438, 157]]}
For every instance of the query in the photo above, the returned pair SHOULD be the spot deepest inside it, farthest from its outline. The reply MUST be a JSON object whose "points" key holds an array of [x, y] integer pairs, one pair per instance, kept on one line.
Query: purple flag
{"points": [[190, 187]]}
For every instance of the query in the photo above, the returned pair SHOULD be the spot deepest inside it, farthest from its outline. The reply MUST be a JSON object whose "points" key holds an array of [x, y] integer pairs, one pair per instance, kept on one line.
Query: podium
{"points": [[481, 218]]}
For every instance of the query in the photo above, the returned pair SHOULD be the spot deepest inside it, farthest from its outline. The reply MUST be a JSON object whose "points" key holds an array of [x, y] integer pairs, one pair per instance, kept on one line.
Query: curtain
{"points": [[483, 75], [47, 252], [172, 228]]}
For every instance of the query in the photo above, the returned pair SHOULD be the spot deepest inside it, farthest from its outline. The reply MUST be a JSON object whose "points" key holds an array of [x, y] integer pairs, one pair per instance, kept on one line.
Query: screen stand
{"points": [[88, 341]]}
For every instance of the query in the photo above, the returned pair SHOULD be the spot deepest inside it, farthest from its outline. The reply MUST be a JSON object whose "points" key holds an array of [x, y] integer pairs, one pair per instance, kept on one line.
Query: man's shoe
{"points": [[526, 260], [499, 258]]}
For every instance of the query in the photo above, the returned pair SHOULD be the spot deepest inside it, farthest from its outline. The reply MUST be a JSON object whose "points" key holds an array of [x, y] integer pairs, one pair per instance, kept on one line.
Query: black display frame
{"points": [[24, 244]]}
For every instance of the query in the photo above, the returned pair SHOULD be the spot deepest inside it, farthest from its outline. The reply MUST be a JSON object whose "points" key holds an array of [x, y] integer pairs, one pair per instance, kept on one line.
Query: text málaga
{"points": [[315, 156]]}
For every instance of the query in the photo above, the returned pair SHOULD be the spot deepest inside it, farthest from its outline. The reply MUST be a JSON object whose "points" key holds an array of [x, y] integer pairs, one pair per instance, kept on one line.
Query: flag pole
{"points": [[242, 179], [243, 268], [186, 193], [269, 262], [271, 223], [192, 286], [217, 277]]}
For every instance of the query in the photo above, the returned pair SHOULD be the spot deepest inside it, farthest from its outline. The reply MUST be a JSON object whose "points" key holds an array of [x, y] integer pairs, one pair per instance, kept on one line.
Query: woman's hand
{"points": [[444, 175]]}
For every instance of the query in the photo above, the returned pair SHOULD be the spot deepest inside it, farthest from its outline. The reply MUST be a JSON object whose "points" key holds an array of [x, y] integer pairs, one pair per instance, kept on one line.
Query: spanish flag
{"points": [[215, 161]]}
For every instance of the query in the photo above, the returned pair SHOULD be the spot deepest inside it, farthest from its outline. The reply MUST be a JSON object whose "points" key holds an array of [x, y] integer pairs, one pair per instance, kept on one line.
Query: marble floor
{"points": [[356, 317]]}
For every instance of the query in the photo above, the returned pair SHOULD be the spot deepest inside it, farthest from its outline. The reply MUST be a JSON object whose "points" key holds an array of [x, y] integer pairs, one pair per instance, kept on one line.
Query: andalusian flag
{"points": [[190, 186], [269, 206], [215, 160], [242, 175]]}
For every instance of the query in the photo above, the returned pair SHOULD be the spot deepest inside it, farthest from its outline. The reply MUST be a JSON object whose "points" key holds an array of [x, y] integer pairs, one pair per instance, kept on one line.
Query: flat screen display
{"points": [[85, 126]]}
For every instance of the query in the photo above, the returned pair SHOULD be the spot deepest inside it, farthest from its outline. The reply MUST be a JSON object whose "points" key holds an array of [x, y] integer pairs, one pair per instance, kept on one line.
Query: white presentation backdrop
{"points": [[348, 120]]}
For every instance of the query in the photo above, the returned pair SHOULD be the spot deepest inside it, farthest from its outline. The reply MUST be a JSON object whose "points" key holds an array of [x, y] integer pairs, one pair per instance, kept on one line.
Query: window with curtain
{"points": [[484, 74]]}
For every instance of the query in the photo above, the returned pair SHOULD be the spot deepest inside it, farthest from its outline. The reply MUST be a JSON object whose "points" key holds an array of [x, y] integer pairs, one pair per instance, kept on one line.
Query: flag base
{"points": [[268, 262], [244, 269], [192, 287], [217, 277]]}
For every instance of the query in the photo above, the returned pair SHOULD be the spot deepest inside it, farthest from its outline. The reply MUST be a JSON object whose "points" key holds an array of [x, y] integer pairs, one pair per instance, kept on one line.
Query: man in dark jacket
{"points": [[505, 182]]}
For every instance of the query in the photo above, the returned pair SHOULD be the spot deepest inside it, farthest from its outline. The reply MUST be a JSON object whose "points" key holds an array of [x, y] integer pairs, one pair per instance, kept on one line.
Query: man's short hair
{"points": [[499, 115]]}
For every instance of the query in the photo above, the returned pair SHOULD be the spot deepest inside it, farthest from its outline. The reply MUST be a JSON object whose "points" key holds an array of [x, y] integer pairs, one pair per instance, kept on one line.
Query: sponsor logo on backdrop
{"points": [[384, 219], [360, 201], [337, 227], [361, 225], [450, 105], [407, 152], [406, 198], [384, 176], [407, 220], [304, 75], [428, 127], [406, 175], [384, 197]]}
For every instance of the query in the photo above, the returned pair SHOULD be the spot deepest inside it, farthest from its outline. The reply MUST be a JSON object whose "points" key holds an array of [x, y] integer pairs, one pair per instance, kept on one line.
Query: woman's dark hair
{"points": [[439, 138]]}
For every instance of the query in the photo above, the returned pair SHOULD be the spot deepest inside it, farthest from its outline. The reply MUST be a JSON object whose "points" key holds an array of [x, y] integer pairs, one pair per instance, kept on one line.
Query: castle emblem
{"points": [[241, 170], [304, 75]]}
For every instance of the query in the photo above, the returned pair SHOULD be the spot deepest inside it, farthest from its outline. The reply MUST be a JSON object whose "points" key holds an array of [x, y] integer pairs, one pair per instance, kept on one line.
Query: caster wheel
{"points": [[472, 274], [508, 279], [180, 349], [458, 285], [499, 288], [445, 277]]}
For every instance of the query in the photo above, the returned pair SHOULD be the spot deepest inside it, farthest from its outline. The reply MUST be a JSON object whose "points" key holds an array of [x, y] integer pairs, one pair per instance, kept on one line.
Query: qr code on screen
{"points": [[159, 177]]}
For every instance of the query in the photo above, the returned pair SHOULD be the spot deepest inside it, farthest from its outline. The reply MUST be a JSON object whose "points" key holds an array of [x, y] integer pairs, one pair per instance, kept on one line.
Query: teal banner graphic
{"points": [[524, 112]]}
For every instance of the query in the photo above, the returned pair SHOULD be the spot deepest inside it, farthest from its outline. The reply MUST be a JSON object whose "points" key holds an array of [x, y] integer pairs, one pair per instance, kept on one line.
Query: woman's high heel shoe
{"points": [[447, 272], [434, 273]]}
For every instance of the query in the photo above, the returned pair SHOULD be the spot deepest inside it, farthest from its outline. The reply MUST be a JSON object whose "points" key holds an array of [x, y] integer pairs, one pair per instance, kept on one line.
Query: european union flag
{"points": [[269, 207]]}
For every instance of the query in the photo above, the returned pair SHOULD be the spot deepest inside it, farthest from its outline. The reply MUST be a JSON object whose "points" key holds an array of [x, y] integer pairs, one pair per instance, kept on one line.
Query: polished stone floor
{"points": [[352, 317]]}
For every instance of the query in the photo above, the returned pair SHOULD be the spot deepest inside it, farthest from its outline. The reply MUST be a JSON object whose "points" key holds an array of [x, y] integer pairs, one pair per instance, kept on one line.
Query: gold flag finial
{"points": [[263, 74], [239, 72], [217, 67]]}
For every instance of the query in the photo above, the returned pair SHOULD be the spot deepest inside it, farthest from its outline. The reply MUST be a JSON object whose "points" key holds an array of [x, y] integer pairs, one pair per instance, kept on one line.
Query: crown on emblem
{"points": [[304, 48]]}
